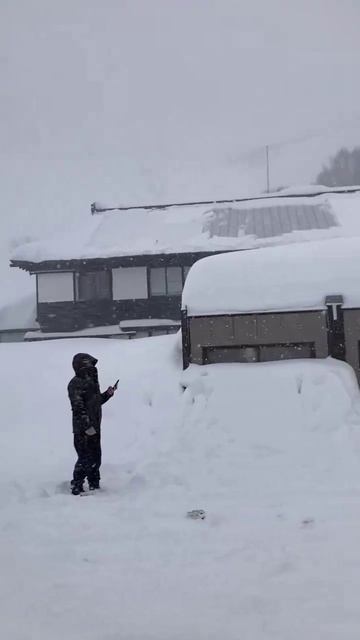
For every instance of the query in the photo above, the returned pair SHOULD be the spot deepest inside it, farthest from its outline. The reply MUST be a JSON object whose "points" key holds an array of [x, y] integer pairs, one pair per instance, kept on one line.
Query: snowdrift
{"points": [[271, 452], [278, 278]]}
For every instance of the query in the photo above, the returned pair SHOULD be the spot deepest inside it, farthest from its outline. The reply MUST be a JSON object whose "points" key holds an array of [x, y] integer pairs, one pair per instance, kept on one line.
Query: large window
{"points": [[130, 283], [287, 351], [214, 355], [93, 285], [55, 287], [259, 353], [166, 281]]}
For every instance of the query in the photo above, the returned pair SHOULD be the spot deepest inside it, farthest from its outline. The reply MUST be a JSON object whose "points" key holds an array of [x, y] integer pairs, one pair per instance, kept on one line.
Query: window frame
{"points": [[79, 274], [51, 272], [125, 271], [166, 294]]}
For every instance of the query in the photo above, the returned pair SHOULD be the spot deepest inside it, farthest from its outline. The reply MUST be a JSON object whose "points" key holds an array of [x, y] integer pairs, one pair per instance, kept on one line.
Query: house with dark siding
{"points": [[122, 273]]}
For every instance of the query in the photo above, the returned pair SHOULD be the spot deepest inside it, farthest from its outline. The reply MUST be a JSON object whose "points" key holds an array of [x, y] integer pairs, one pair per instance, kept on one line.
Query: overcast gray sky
{"points": [[149, 100]]}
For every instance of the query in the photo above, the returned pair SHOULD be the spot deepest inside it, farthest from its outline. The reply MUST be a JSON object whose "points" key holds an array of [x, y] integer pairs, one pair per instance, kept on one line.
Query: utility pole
{"points": [[267, 169]]}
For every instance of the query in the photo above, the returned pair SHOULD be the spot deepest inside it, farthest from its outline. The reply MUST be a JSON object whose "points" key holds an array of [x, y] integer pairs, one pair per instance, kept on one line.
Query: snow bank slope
{"points": [[268, 450]]}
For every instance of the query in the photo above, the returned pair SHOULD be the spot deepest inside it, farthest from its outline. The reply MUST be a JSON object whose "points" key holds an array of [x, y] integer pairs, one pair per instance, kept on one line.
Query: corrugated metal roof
{"points": [[193, 229], [269, 221]]}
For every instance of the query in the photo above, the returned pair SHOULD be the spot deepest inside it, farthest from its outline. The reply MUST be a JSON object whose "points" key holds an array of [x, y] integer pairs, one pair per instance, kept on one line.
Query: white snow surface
{"points": [[20, 314], [298, 276], [104, 331], [183, 229], [270, 451]]}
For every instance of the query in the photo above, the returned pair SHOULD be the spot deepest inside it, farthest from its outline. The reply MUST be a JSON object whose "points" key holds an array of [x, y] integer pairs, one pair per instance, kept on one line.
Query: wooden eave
{"points": [[86, 264]]}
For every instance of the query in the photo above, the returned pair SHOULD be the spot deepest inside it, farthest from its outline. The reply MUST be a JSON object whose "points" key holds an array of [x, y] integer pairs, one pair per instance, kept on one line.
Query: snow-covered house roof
{"points": [[296, 277], [291, 216], [19, 315]]}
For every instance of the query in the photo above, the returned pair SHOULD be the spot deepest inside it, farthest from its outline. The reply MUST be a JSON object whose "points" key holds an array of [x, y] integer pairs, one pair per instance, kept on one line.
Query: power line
{"points": [[331, 128]]}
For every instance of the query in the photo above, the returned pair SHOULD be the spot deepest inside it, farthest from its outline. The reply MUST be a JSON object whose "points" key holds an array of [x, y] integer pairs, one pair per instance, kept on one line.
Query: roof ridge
{"points": [[97, 208]]}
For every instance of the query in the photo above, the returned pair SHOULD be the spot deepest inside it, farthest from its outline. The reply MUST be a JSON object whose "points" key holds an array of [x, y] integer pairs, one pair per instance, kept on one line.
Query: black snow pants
{"points": [[88, 449]]}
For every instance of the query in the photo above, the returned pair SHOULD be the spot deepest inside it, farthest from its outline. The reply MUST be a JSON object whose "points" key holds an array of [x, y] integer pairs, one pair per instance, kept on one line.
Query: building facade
{"points": [[267, 337], [80, 294], [128, 267]]}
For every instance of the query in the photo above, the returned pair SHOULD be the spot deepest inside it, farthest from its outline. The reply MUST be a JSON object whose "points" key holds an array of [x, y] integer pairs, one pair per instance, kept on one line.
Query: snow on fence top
{"points": [[294, 277], [291, 216]]}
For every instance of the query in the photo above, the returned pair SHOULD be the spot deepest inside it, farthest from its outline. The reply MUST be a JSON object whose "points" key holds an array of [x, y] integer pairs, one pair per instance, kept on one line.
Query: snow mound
{"points": [[275, 278], [279, 439], [269, 451], [19, 315]]}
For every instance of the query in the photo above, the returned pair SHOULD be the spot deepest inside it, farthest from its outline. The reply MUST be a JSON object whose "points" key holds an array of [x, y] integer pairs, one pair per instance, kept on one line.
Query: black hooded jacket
{"points": [[84, 394]]}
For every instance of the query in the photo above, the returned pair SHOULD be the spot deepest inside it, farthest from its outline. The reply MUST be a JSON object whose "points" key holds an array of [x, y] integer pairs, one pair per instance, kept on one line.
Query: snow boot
{"points": [[76, 489], [94, 486]]}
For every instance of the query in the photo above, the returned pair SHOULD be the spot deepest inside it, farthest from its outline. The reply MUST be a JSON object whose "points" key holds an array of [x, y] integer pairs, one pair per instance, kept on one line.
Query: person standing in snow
{"points": [[86, 400]]}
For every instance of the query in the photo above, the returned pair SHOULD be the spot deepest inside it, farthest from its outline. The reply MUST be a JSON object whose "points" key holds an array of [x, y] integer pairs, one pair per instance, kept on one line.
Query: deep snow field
{"points": [[271, 452]]}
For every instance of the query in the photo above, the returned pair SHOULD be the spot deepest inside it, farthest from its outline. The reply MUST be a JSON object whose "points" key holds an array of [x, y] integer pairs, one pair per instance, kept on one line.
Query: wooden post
{"points": [[335, 327], [185, 338]]}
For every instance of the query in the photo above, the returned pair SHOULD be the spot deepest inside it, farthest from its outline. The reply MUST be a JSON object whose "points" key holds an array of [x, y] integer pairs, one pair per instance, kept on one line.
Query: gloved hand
{"points": [[90, 431], [110, 391]]}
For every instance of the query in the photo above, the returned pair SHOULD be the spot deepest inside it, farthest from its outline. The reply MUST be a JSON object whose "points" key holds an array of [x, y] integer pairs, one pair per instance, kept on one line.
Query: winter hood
{"points": [[83, 361]]}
